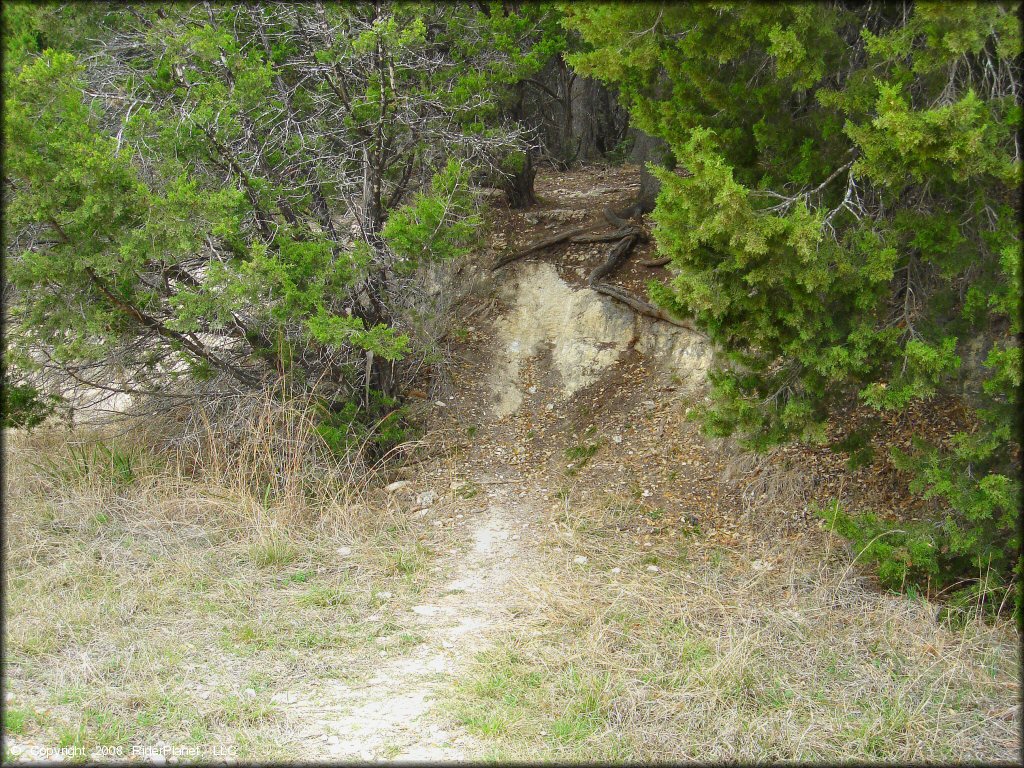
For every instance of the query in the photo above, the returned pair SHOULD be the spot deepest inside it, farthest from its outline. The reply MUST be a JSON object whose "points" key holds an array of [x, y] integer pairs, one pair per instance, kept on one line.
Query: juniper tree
{"points": [[845, 226], [237, 193]]}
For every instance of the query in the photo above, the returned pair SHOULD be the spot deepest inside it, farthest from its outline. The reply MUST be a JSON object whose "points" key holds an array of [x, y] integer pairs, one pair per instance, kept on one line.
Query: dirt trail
{"points": [[393, 716], [389, 716]]}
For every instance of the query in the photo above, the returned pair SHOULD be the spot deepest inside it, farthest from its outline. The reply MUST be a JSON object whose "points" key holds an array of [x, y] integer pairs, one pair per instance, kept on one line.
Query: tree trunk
{"points": [[647, 149], [519, 185]]}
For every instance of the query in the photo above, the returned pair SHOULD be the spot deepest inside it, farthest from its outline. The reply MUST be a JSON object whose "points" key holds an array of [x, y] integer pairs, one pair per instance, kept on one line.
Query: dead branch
{"points": [[540, 245], [642, 307]]}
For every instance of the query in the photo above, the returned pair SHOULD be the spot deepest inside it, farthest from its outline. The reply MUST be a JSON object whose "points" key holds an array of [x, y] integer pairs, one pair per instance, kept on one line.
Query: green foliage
{"points": [[180, 176], [857, 446], [845, 229], [22, 405], [902, 553], [437, 224], [372, 429]]}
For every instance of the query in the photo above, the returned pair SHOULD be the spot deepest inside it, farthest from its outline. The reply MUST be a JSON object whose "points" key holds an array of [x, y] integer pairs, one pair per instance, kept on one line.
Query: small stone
{"points": [[532, 390], [616, 570], [397, 485], [653, 568], [617, 439], [441, 403], [344, 551], [550, 406], [580, 560], [384, 595], [646, 493]]}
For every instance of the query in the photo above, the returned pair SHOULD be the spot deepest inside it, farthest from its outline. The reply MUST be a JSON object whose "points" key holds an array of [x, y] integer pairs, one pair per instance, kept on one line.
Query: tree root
{"points": [[628, 235], [610, 236], [642, 307], [540, 245], [617, 255]]}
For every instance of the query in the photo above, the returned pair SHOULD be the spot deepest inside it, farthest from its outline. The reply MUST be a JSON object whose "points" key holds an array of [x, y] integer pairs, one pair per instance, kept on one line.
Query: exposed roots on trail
{"points": [[625, 237]]}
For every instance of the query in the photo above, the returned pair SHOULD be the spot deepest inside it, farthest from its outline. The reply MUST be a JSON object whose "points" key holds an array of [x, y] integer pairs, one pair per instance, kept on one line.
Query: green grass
{"points": [[323, 596], [581, 453], [273, 553], [18, 720]]}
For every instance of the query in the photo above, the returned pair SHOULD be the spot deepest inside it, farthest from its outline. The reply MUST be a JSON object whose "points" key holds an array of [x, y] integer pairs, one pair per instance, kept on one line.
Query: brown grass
{"points": [[168, 595], [778, 653]]}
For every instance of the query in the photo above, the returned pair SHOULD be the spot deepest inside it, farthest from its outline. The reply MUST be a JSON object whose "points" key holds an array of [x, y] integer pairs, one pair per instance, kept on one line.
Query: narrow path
{"points": [[390, 716]]}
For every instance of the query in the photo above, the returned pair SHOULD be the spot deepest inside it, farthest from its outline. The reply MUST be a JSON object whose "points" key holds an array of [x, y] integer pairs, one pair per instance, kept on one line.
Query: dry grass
{"points": [[720, 654], [167, 596]]}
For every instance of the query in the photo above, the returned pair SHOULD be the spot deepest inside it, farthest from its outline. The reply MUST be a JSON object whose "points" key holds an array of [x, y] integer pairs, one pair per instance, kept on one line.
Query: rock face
{"points": [[583, 333]]}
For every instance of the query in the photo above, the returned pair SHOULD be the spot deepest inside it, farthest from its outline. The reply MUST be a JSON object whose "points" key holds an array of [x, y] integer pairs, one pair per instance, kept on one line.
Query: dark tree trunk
{"points": [[647, 149], [599, 123], [518, 186]]}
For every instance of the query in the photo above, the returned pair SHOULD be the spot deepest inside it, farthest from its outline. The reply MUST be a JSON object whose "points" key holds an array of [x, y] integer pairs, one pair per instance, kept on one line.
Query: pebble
{"points": [[616, 570], [653, 568], [580, 560], [384, 595], [344, 551], [550, 407], [397, 485]]}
